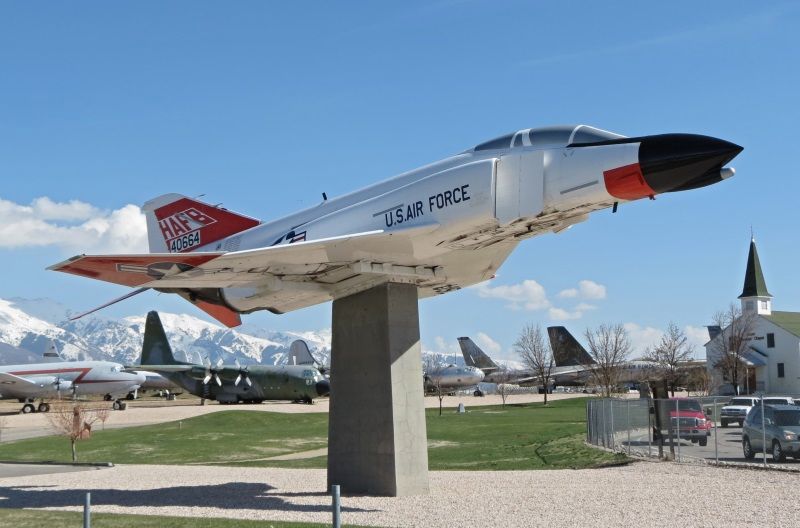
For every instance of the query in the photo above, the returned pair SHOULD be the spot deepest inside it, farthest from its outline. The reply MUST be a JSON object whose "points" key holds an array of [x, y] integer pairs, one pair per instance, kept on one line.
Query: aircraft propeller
{"points": [[243, 374], [211, 372]]}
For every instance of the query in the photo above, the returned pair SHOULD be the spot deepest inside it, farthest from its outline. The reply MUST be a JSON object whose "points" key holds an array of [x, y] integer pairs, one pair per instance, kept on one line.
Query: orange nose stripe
{"points": [[627, 183]]}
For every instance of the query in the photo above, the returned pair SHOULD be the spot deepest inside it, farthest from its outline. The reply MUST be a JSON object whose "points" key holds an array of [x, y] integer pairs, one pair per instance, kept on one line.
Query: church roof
{"points": [[754, 283], [789, 321]]}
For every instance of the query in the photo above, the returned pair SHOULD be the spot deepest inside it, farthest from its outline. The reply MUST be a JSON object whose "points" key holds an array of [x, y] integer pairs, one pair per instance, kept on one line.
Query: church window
{"points": [[780, 370], [770, 340]]}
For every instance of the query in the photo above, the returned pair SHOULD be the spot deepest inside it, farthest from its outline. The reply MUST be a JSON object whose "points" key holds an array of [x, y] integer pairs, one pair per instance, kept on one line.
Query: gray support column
{"points": [[377, 439]]}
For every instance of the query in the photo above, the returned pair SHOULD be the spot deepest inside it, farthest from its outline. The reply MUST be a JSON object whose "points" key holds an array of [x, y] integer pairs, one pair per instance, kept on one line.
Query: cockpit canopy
{"points": [[552, 136]]}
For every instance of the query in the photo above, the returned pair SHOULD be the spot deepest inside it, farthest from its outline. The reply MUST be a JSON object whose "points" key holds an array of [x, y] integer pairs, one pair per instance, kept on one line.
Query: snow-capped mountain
{"points": [[28, 325]]}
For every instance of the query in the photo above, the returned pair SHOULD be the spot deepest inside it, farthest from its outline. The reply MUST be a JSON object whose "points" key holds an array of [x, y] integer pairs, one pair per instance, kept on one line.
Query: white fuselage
{"points": [[50, 380], [468, 213]]}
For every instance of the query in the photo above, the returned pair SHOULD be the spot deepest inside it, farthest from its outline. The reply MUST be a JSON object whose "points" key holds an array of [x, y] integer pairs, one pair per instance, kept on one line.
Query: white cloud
{"points": [[642, 337], [591, 290], [696, 337], [74, 226], [559, 314], [528, 294], [586, 290], [489, 345]]}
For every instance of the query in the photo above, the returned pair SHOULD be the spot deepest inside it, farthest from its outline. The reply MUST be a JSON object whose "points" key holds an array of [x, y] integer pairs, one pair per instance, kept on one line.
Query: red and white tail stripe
{"points": [[177, 224]]}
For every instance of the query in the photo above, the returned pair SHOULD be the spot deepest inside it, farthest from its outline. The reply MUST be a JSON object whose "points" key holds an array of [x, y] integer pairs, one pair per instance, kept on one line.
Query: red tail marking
{"points": [[187, 224], [223, 314]]}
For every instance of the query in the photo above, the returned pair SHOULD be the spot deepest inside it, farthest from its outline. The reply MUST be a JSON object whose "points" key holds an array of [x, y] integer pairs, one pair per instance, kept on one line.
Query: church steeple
{"points": [[755, 297]]}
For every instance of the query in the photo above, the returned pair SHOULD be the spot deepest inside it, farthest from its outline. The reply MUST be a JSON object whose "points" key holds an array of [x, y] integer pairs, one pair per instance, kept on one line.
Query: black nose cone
{"points": [[323, 387], [679, 162]]}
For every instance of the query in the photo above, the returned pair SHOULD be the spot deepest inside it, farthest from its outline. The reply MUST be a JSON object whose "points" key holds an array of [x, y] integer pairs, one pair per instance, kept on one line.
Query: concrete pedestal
{"points": [[377, 439]]}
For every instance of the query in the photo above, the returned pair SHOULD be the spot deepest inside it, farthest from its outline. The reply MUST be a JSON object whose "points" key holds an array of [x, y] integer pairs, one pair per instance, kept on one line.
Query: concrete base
{"points": [[377, 439]]}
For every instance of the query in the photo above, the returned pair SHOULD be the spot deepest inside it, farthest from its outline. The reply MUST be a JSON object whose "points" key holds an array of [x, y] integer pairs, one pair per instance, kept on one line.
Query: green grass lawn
{"points": [[57, 519], [529, 436]]}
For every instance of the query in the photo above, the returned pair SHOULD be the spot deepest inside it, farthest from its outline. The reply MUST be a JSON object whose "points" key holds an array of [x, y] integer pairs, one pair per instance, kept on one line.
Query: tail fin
{"points": [[51, 354], [474, 356], [177, 224], [567, 352], [156, 349], [299, 354]]}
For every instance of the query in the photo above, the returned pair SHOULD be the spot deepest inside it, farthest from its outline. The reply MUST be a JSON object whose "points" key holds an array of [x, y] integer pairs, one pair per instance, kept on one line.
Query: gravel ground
{"points": [[643, 494]]}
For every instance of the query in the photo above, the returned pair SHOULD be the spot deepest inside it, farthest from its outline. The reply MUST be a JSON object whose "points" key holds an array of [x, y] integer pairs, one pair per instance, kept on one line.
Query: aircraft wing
{"points": [[295, 275], [14, 386], [161, 368]]}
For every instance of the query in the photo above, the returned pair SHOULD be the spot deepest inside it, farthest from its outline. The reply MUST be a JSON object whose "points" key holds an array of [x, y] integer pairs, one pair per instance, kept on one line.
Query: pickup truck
{"points": [[736, 410], [688, 420]]}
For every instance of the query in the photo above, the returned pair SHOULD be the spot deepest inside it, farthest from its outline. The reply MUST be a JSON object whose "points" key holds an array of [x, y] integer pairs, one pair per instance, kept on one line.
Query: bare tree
{"points": [[103, 413], [504, 388], [536, 354], [699, 381], [609, 347], [73, 420], [731, 345], [433, 379], [671, 351]]}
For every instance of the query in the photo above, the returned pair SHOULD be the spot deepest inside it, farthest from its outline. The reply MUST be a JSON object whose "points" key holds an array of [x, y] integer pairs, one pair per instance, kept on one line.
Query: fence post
{"points": [[763, 432], [87, 511], [678, 429], [613, 426], [628, 409], [337, 507], [605, 433], [716, 432]]}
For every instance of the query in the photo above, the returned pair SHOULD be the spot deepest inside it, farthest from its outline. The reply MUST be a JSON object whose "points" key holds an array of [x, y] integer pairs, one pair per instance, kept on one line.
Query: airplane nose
{"points": [[679, 162], [323, 387]]}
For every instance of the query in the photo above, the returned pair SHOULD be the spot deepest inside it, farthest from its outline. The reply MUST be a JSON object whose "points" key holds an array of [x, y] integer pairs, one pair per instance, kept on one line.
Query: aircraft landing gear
{"points": [[44, 407], [107, 397], [478, 393], [119, 405], [28, 408]]}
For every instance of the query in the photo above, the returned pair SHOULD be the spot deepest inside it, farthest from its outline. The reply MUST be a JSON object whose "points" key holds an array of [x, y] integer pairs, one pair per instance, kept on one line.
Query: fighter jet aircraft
{"points": [[441, 227], [231, 383], [57, 379]]}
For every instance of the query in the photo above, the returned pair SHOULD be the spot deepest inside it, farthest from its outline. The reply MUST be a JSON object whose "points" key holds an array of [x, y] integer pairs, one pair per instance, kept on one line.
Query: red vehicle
{"points": [[687, 420]]}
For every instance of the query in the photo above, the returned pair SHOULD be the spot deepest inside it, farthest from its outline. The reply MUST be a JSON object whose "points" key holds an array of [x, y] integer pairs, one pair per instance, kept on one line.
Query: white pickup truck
{"points": [[736, 410]]}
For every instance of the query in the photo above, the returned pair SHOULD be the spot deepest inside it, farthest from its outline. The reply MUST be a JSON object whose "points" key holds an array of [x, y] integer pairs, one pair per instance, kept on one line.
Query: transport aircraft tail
{"points": [[177, 224], [567, 352], [299, 354], [156, 349], [51, 354], [475, 357]]}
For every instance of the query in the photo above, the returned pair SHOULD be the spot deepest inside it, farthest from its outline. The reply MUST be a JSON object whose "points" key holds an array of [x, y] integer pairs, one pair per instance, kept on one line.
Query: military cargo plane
{"points": [[231, 383], [441, 227]]}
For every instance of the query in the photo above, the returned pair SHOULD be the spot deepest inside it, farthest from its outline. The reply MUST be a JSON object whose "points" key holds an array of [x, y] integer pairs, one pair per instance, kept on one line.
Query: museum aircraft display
{"points": [[450, 378], [56, 379], [495, 373], [441, 227], [230, 383]]}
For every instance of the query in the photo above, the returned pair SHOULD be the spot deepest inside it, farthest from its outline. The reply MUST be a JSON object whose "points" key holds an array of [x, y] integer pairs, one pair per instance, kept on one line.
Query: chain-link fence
{"points": [[698, 429]]}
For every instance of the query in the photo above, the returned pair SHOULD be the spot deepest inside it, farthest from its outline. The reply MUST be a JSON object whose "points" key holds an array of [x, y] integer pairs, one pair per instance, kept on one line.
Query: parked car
{"points": [[781, 428], [779, 400], [687, 419], [737, 410]]}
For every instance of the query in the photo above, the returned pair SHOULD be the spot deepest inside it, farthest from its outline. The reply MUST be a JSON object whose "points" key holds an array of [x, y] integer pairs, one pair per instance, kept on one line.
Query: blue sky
{"points": [[263, 106]]}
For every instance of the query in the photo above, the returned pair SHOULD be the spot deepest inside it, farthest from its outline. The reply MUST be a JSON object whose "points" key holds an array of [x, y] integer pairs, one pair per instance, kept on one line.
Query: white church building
{"points": [[772, 358]]}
